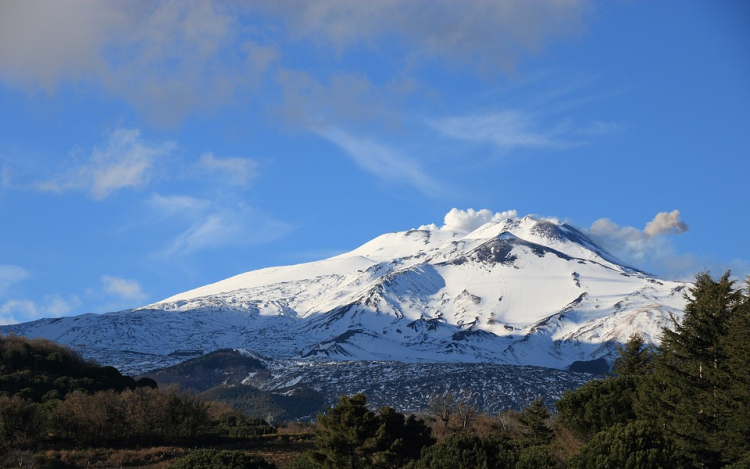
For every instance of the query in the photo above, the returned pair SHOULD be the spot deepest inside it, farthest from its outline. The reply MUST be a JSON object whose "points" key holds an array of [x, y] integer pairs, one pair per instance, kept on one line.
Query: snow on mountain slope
{"points": [[523, 291]]}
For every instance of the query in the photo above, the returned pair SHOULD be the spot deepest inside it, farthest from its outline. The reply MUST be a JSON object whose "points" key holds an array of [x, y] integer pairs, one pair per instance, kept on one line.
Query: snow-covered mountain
{"points": [[521, 291]]}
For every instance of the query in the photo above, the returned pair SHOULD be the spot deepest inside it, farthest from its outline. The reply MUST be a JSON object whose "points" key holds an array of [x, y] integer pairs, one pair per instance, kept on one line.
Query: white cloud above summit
{"points": [[469, 220], [649, 246]]}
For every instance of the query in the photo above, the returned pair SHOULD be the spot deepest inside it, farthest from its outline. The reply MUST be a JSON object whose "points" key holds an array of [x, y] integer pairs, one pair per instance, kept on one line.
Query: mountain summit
{"points": [[521, 291]]}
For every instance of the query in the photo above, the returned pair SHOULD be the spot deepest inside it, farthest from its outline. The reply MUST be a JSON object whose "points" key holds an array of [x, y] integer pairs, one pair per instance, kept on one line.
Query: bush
{"points": [[637, 445], [466, 451], [308, 460], [221, 459]]}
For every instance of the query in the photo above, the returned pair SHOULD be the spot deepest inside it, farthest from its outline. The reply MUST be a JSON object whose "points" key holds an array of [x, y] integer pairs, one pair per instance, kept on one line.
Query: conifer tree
{"points": [[691, 374], [535, 423], [344, 431], [637, 445], [635, 358], [351, 436], [736, 434], [598, 405]]}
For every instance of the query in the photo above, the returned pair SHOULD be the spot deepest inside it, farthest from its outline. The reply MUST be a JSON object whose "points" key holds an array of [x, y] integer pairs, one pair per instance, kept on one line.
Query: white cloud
{"points": [[665, 223], [173, 58], [487, 34], [5, 178], [237, 171], [124, 161], [506, 129], [600, 128], [57, 306], [212, 230], [46, 41], [128, 290], [14, 311], [178, 204], [470, 219], [167, 58], [384, 162], [647, 246], [206, 224], [11, 274]]}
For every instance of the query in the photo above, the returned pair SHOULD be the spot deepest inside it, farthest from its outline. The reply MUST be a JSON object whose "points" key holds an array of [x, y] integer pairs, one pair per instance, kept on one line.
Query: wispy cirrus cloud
{"points": [[516, 129], [388, 164], [234, 170], [10, 275], [125, 161], [206, 224], [505, 129], [5, 177]]}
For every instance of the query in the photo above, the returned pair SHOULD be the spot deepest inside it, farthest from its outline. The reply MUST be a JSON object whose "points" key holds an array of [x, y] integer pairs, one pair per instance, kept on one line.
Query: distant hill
{"points": [[231, 376], [221, 367], [297, 403], [41, 370]]}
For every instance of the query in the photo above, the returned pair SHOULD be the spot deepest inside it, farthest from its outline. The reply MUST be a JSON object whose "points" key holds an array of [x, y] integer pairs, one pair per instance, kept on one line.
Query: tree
{"points": [[465, 409], [634, 359], [351, 436], [19, 420], [344, 431], [692, 373], [534, 422], [598, 405], [467, 451], [637, 445], [442, 407], [736, 344], [222, 459], [536, 457], [398, 439]]}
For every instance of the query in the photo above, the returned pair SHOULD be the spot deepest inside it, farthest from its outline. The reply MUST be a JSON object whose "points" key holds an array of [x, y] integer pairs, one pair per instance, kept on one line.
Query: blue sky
{"points": [[147, 148]]}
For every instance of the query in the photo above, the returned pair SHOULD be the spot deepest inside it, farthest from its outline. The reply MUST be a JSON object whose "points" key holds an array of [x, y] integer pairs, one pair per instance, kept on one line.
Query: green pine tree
{"points": [[637, 445], [687, 394], [350, 436], [736, 434], [344, 431], [534, 422], [635, 358], [598, 405]]}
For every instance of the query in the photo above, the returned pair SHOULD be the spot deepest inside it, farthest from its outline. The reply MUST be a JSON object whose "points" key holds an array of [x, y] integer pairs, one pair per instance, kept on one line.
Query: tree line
{"points": [[48, 391]]}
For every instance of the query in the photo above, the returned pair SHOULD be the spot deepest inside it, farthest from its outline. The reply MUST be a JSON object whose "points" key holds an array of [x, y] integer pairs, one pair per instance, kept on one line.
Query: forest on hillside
{"points": [[683, 404]]}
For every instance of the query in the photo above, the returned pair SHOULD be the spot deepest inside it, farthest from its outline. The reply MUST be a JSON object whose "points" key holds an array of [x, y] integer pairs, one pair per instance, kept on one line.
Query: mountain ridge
{"points": [[518, 291]]}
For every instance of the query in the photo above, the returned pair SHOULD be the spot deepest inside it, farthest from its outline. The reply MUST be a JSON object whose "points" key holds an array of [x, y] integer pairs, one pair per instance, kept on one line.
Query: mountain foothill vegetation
{"points": [[683, 404]]}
